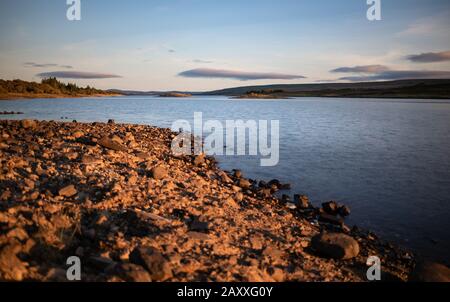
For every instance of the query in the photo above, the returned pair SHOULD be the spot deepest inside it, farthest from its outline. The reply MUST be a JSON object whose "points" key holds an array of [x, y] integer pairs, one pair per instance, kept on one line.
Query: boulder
{"points": [[344, 211], [302, 201], [244, 183], [426, 271], [159, 172], [133, 273], [28, 124], [330, 207], [108, 143], [152, 260], [68, 191], [335, 245]]}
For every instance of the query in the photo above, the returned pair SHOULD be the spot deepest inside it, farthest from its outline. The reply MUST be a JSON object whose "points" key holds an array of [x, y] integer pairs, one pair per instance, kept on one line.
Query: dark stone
{"points": [[331, 219], [237, 173], [330, 207], [302, 201], [199, 226], [111, 122], [285, 186], [285, 198], [133, 273], [262, 184], [426, 271], [344, 211], [152, 260], [335, 245]]}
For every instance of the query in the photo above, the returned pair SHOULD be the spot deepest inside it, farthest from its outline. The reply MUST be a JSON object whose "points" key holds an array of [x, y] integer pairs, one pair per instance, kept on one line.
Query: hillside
{"points": [[48, 88], [392, 89]]}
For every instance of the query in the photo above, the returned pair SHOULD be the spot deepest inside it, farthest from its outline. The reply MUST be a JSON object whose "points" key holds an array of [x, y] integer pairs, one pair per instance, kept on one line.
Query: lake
{"points": [[389, 160]]}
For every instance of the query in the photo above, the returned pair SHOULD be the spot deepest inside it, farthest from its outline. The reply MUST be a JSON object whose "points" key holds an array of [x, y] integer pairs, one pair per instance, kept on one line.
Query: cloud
{"points": [[381, 72], [362, 69], [202, 61], [77, 75], [435, 25], [400, 75], [237, 75], [47, 65], [430, 57]]}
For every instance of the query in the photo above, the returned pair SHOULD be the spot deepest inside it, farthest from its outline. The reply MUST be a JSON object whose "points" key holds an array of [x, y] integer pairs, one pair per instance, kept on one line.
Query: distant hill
{"points": [[391, 89], [48, 88]]}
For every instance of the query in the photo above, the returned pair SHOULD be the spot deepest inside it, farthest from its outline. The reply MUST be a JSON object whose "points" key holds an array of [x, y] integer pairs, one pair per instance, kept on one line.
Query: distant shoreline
{"points": [[25, 96]]}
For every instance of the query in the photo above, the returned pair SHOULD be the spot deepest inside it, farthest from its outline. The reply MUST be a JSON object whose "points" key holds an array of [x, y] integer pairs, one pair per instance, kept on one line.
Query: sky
{"points": [[201, 45]]}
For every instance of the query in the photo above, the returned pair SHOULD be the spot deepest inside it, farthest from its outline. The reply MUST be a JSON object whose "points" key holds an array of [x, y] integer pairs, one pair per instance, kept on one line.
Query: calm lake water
{"points": [[389, 160]]}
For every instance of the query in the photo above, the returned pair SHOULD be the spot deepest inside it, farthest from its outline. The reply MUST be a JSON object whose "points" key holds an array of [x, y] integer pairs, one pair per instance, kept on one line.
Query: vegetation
{"points": [[423, 89], [264, 92], [47, 88]]}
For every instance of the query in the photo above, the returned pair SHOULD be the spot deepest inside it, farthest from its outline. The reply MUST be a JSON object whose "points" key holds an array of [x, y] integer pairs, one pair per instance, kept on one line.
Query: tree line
{"points": [[47, 86]]}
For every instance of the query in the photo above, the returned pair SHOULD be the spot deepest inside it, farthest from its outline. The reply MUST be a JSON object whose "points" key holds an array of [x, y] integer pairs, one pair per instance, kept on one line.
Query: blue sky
{"points": [[212, 44]]}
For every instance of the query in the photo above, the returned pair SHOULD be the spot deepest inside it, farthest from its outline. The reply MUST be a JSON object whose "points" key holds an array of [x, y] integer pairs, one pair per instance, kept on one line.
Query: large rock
{"points": [[68, 191], [133, 273], [244, 184], [302, 201], [427, 271], [153, 261], [327, 218], [330, 207], [29, 124], [335, 245], [108, 143], [159, 173]]}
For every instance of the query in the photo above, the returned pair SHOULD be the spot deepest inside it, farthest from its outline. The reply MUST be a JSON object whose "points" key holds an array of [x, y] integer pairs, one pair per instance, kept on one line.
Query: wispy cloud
{"points": [[237, 75], [436, 25], [384, 73], [430, 57], [77, 75], [400, 75], [361, 69], [45, 65], [199, 61]]}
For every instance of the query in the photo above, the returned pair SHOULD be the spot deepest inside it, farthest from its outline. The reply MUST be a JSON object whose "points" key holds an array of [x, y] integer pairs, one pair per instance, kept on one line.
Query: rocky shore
{"points": [[116, 197]]}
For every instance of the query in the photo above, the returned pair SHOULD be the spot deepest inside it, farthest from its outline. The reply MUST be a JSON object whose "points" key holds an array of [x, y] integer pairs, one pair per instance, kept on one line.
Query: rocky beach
{"points": [[116, 197]]}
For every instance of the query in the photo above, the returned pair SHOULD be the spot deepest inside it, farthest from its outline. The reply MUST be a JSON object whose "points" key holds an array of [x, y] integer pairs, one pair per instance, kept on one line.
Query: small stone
{"points": [[18, 233], [111, 121], [159, 173], [68, 191], [335, 245], [224, 177], [199, 226], [302, 201], [256, 243], [153, 261], [133, 273], [331, 219], [237, 173], [330, 207], [108, 143], [78, 134], [244, 183], [291, 206], [199, 160], [239, 197], [29, 124], [344, 211]]}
